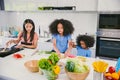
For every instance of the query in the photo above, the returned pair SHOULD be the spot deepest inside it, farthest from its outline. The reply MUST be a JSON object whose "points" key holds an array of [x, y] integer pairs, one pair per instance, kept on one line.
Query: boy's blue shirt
{"points": [[61, 42], [83, 52]]}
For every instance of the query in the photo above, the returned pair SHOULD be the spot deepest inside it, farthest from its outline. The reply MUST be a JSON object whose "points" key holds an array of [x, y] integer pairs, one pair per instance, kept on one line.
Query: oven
{"points": [[108, 36], [108, 47], [108, 43]]}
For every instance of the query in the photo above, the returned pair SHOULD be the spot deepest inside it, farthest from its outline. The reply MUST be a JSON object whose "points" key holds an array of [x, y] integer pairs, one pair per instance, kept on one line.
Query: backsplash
{"points": [[83, 22]]}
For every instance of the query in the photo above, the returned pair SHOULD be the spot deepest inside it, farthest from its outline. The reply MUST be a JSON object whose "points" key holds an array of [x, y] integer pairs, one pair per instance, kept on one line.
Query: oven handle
{"points": [[108, 39]]}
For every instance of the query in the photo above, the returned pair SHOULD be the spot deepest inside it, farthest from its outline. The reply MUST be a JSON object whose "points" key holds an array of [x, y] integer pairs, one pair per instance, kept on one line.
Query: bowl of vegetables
{"points": [[76, 69], [49, 66]]}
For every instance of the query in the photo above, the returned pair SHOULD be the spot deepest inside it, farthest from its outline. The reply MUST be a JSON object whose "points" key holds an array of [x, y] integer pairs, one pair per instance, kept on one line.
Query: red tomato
{"points": [[17, 56], [111, 69]]}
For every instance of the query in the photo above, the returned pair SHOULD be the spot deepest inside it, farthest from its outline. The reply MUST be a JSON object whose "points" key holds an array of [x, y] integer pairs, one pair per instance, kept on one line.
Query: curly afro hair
{"points": [[89, 40], [67, 27]]}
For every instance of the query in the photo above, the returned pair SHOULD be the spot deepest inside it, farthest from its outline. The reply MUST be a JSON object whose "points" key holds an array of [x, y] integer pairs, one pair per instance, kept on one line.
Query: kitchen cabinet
{"points": [[81, 5], [66, 3], [27, 5], [86, 5], [30, 5], [108, 5]]}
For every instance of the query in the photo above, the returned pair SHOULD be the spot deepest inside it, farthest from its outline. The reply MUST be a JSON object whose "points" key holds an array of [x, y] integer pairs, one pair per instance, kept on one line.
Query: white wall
{"points": [[3, 18], [109, 5], [83, 22]]}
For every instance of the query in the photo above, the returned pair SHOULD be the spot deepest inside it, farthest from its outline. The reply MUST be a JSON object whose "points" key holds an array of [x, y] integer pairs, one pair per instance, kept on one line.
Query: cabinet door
{"points": [[93, 52], [12, 5], [86, 5], [27, 5], [65, 3], [109, 5]]}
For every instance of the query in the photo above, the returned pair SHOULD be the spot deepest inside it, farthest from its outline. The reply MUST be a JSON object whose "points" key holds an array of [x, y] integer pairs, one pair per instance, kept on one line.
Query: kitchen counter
{"points": [[15, 69]]}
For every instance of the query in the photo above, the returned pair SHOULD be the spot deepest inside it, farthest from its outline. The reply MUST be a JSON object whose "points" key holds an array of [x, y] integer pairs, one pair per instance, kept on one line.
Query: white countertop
{"points": [[14, 68]]}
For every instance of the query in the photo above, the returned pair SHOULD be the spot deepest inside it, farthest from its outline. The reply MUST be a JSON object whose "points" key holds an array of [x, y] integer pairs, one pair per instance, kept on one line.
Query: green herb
{"points": [[53, 58], [45, 64]]}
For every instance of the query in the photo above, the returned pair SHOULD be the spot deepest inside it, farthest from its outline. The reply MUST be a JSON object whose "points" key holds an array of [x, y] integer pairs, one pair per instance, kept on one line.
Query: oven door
{"points": [[107, 47]]}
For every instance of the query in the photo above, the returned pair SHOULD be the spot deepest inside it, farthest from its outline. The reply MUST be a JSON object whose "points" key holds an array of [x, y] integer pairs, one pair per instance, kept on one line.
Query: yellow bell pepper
{"points": [[56, 69]]}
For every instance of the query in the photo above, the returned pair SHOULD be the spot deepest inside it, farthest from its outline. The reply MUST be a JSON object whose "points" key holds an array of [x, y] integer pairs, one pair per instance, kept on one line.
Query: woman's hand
{"points": [[20, 46], [9, 42]]}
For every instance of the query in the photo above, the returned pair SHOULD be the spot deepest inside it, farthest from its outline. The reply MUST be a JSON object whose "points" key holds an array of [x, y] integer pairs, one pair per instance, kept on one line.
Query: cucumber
{"points": [[70, 66]]}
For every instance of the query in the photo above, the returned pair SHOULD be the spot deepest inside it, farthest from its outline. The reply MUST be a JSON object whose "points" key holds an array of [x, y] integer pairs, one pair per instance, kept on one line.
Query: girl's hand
{"points": [[59, 55], [72, 44], [66, 54]]}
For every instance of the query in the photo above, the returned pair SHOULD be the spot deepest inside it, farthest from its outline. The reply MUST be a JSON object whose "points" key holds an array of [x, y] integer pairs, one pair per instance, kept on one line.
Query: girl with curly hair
{"points": [[84, 42], [61, 31]]}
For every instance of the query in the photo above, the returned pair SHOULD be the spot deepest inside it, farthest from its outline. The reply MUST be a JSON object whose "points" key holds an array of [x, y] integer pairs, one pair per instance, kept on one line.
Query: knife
{"points": [[34, 52]]}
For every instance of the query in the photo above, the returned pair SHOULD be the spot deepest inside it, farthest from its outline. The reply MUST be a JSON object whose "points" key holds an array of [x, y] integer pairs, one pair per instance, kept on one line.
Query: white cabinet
{"points": [[27, 5], [32, 5], [66, 3], [93, 52], [81, 5], [108, 5], [86, 5], [12, 5]]}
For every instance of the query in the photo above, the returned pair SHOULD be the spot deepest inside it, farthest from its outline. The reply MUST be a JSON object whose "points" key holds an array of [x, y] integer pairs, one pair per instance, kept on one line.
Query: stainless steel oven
{"points": [[108, 36], [108, 43], [108, 47]]}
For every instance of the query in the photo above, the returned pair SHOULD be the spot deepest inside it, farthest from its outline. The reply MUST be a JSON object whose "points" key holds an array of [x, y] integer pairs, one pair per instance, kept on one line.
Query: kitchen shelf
{"points": [[56, 11]]}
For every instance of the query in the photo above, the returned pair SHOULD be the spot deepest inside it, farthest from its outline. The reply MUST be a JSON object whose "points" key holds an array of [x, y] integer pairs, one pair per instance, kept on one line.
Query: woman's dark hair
{"points": [[32, 31], [67, 27], [89, 40]]}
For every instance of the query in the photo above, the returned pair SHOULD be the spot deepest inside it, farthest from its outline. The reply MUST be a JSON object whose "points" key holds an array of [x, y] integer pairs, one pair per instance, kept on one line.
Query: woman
{"points": [[28, 37]]}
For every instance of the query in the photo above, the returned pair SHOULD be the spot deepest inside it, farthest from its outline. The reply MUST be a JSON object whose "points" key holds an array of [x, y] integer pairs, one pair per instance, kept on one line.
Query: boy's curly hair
{"points": [[89, 40], [67, 27]]}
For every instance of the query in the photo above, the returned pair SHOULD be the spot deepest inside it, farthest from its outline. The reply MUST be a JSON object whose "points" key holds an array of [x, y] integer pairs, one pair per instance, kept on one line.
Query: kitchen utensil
{"points": [[8, 51], [5, 52], [34, 52]]}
